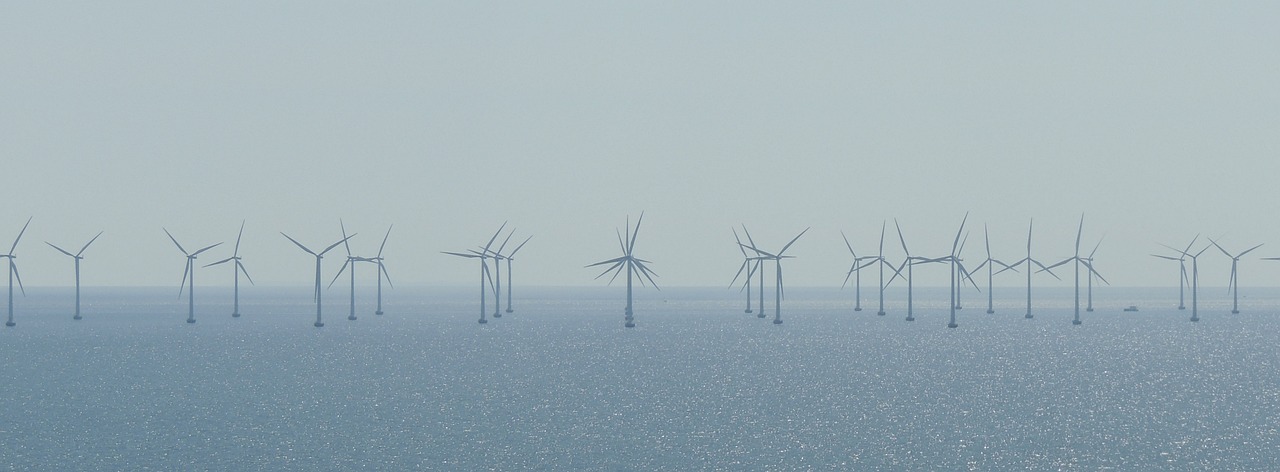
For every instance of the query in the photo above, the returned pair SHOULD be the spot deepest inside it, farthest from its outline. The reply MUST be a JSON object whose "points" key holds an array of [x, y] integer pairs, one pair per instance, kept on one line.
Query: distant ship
{"points": [[1131, 308]]}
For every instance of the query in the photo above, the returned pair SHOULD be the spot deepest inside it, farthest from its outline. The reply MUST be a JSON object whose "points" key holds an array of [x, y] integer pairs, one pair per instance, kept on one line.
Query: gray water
{"points": [[560, 384]]}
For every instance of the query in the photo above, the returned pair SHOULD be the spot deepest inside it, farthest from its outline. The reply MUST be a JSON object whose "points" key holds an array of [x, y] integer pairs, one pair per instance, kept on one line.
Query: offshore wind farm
{"points": [[1080, 274]]}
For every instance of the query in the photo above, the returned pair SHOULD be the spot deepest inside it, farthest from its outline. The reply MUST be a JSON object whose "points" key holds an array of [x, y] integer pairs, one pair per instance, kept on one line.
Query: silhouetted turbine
{"points": [[319, 256], [483, 255], [750, 265], [1234, 284], [1078, 262], [351, 261], [910, 262], [189, 272], [236, 269], [777, 259], [1028, 261], [855, 270], [990, 264], [630, 264], [1183, 281], [13, 271], [382, 270], [77, 257]]}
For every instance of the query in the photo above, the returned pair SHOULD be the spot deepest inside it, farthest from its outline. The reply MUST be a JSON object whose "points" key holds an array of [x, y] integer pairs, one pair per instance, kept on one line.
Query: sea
{"points": [[698, 384]]}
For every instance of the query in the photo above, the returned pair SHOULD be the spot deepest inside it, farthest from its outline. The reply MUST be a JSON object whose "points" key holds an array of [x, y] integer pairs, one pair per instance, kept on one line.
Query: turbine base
{"points": [[1235, 312], [1029, 316], [77, 317], [777, 321], [630, 324], [352, 317], [991, 312], [857, 308], [191, 321], [1182, 307], [1077, 322], [748, 310], [911, 318], [497, 315], [881, 313], [235, 315], [1090, 309], [1195, 319], [483, 321], [379, 312], [10, 324], [952, 325], [319, 324], [510, 310], [760, 315]]}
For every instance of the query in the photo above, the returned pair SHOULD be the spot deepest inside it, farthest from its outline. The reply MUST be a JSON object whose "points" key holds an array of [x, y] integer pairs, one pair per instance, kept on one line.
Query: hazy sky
{"points": [[1158, 120]]}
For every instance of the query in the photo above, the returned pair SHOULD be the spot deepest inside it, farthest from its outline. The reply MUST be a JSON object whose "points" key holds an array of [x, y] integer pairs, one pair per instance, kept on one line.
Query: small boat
{"points": [[1131, 308]]}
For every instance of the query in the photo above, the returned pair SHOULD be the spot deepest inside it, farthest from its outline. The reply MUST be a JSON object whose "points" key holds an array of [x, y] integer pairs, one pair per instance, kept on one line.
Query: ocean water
{"points": [[698, 385]]}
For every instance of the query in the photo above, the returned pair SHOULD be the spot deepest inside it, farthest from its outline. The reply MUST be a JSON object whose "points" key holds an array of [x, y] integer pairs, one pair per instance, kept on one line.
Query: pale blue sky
{"points": [[1157, 119]]}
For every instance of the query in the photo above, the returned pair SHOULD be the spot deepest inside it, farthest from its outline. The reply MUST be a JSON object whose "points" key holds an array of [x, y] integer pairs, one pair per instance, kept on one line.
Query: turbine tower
{"points": [[1078, 261], [1195, 280], [990, 263], [189, 273], [855, 270], [880, 258], [1234, 284], [13, 271], [485, 278], [777, 259], [910, 262], [498, 257], [77, 257], [759, 270], [351, 261], [509, 258], [319, 256], [630, 264], [382, 270], [954, 259], [236, 269], [1088, 261]]}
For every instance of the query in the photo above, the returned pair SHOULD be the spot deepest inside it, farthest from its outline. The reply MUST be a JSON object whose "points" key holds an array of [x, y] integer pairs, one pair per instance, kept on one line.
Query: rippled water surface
{"points": [[560, 384]]}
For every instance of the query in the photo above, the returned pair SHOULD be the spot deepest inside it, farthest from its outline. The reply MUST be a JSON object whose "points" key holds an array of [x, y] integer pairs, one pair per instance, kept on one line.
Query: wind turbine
{"points": [[189, 273], [382, 270], [497, 273], [77, 256], [1028, 261], [351, 261], [855, 270], [485, 278], [509, 258], [1078, 261], [909, 263], [759, 270], [630, 263], [880, 258], [956, 266], [236, 269], [1234, 284], [990, 264], [777, 259], [749, 264], [1182, 269], [1195, 278], [319, 255], [13, 271]]}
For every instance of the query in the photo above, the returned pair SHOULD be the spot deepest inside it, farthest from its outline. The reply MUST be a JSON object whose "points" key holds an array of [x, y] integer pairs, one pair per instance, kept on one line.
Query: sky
{"points": [[1156, 121]]}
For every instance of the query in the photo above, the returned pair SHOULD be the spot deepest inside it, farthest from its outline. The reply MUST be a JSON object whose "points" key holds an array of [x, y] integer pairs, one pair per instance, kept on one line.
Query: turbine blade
{"points": [[384, 240], [616, 268], [1096, 246], [339, 274], [1166, 257], [632, 246], [646, 273], [1058, 264], [229, 259], [1193, 241], [1248, 251], [495, 236], [86, 245], [236, 252], [850, 246], [245, 272], [1079, 232], [517, 249], [383, 268], [59, 249], [331, 246], [171, 238], [901, 239], [19, 238], [185, 270], [18, 276], [750, 241], [1215, 244], [793, 241], [304, 248], [610, 261], [459, 254], [986, 235], [956, 243], [344, 236], [741, 268], [206, 248]]}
